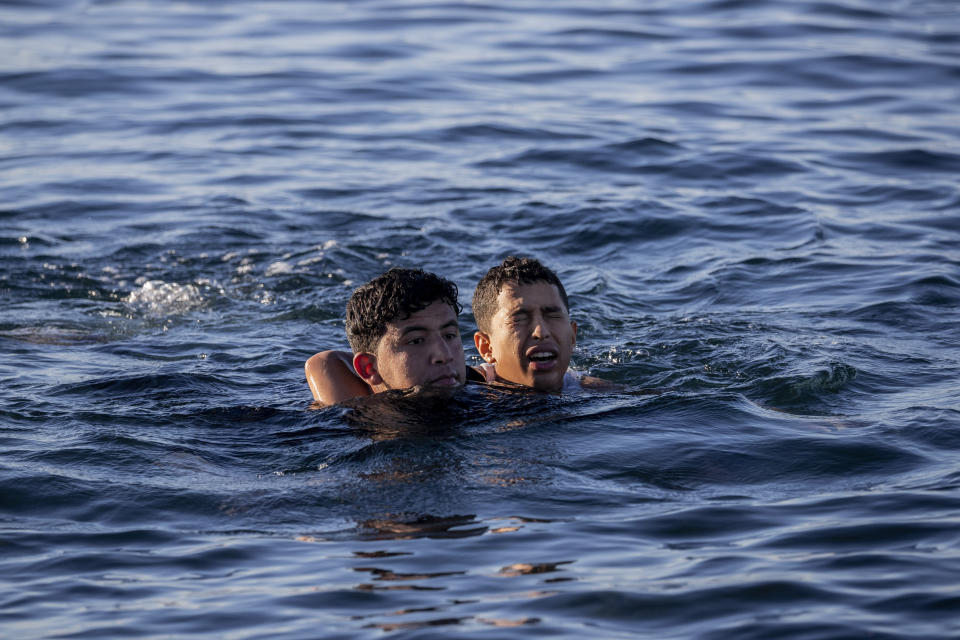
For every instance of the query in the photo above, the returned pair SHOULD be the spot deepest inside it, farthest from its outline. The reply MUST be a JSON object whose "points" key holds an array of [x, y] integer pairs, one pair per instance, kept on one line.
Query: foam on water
{"points": [[159, 298]]}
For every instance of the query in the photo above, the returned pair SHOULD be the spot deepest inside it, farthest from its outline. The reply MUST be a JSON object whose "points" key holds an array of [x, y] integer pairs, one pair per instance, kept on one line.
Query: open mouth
{"points": [[543, 359], [543, 356]]}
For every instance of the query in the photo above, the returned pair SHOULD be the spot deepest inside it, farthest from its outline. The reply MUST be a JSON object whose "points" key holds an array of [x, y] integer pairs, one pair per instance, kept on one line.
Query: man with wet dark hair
{"points": [[398, 293], [403, 330], [524, 331], [524, 334]]}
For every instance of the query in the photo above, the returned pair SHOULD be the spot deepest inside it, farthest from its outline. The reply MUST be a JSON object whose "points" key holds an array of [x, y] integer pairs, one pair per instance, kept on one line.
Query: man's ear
{"points": [[482, 342], [573, 325], [365, 364]]}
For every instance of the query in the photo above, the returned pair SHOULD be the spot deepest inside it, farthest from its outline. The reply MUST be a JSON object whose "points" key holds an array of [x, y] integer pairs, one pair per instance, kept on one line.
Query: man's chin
{"points": [[544, 382]]}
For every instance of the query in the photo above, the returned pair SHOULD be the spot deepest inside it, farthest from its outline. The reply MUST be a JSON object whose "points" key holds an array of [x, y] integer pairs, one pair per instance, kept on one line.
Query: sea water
{"points": [[753, 205]]}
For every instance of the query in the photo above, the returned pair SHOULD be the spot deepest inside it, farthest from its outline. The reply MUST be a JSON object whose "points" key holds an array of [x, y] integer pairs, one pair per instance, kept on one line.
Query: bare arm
{"points": [[332, 379]]}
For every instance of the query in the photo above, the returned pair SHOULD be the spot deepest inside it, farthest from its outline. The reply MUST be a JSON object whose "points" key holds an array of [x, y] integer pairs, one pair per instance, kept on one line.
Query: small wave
{"points": [[896, 162], [791, 391], [827, 380], [652, 156], [78, 82], [898, 314], [56, 335], [164, 385], [493, 131]]}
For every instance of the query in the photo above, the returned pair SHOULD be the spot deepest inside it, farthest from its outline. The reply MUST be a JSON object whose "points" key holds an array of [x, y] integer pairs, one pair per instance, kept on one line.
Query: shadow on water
{"points": [[423, 412]]}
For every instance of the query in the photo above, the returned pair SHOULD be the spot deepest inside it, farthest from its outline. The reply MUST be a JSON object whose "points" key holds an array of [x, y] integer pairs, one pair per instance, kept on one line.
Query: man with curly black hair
{"points": [[403, 330]]}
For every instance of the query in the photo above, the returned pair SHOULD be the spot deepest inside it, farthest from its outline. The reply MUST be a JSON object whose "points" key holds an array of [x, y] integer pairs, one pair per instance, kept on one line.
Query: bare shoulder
{"points": [[331, 377], [325, 359]]}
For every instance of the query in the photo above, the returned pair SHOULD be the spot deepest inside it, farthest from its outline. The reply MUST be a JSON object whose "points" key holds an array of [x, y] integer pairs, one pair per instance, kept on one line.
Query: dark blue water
{"points": [[754, 205]]}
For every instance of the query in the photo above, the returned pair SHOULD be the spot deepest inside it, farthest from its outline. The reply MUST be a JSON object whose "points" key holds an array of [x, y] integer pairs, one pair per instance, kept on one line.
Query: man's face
{"points": [[531, 336], [424, 349]]}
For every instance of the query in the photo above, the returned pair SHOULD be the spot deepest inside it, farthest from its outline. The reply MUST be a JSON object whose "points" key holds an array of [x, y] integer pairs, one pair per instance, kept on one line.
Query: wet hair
{"points": [[515, 270], [394, 295]]}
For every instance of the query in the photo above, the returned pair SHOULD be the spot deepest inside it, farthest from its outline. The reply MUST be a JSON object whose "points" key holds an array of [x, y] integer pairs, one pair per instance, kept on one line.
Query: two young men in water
{"points": [[402, 327]]}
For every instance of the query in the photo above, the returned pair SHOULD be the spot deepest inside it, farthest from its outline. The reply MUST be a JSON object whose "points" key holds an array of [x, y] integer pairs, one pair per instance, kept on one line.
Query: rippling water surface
{"points": [[754, 206]]}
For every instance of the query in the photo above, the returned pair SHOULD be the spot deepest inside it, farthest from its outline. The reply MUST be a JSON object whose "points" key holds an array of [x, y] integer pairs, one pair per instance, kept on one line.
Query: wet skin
{"points": [[531, 336], [422, 350]]}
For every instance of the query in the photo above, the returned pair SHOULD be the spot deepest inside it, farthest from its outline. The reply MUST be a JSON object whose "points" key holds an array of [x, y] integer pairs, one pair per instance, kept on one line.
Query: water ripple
{"points": [[752, 207]]}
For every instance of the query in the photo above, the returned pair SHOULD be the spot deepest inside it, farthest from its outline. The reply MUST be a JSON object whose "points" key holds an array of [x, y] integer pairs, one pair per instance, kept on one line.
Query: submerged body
{"points": [[524, 334]]}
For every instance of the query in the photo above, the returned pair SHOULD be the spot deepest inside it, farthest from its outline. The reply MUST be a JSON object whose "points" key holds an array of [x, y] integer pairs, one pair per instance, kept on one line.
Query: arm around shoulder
{"points": [[332, 379]]}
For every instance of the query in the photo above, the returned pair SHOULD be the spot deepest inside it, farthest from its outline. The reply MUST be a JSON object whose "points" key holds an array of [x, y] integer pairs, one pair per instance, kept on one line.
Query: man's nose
{"points": [[540, 328], [442, 351]]}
